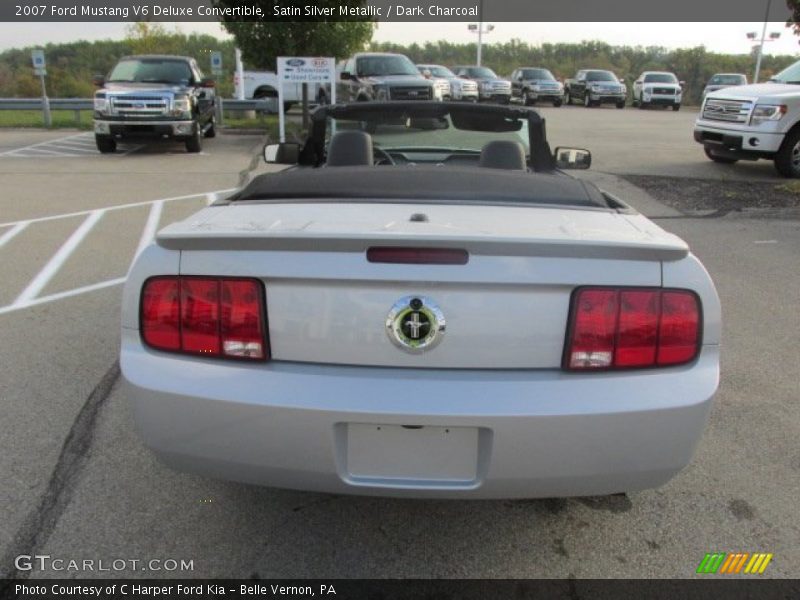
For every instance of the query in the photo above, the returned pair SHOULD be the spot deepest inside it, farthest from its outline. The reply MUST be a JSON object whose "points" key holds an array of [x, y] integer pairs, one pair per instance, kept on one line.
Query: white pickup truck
{"points": [[264, 84], [756, 121]]}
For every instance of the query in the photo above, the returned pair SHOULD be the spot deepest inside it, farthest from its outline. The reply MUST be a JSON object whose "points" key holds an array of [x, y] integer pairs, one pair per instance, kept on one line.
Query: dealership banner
{"points": [[398, 589], [393, 10]]}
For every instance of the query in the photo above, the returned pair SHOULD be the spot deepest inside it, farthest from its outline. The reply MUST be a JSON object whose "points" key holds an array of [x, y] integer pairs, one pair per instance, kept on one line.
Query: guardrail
{"points": [[268, 105]]}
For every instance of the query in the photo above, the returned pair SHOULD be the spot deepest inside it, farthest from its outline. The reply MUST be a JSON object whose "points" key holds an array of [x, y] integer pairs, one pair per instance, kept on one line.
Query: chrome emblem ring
{"points": [[415, 324]]}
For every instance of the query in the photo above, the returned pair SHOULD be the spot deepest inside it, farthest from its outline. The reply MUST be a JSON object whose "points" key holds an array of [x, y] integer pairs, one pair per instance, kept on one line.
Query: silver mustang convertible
{"points": [[423, 304]]}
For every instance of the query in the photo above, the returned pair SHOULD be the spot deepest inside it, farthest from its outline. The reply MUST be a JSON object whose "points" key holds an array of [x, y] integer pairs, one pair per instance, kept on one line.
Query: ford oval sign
{"points": [[295, 62]]}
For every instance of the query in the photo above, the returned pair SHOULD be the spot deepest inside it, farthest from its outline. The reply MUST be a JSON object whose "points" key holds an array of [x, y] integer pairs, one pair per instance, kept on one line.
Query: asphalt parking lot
{"points": [[79, 484]]}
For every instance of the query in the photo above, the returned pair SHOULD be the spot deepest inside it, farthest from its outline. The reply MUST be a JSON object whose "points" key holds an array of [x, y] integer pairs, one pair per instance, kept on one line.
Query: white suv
{"points": [[657, 87], [749, 122]]}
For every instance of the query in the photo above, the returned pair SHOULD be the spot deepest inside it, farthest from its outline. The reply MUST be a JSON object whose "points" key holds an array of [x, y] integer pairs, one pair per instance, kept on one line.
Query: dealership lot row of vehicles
{"points": [[169, 97]]}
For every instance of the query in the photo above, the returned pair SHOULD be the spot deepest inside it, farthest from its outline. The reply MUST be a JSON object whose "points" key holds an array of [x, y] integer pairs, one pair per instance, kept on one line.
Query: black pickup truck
{"points": [[154, 97], [594, 87]]}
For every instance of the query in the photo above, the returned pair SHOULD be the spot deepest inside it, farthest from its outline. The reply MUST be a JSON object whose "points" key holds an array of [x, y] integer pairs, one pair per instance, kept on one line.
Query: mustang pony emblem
{"points": [[415, 324]]}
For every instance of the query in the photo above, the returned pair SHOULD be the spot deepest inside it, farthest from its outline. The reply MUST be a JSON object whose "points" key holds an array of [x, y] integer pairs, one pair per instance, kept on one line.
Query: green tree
{"points": [[145, 37], [262, 42]]}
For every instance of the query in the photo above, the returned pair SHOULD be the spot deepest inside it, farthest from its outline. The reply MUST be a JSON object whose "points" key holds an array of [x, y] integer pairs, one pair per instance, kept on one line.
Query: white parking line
{"points": [[30, 295], [150, 227], [9, 152], [81, 144], [59, 258], [11, 233], [61, 295], [115, 207]]}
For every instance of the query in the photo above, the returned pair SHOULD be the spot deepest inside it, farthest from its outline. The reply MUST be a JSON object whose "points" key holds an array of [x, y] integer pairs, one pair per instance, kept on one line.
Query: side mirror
{"points": [[207, 83], [638, 82], [426, 73], [572, 158], [682, 83], [345, 76], [98, 81], [287, 153], [622, 80]]}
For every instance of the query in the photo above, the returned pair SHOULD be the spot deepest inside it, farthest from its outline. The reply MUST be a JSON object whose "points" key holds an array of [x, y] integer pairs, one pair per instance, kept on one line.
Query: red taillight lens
{"points": [[161, 313], [628, 327], [210, 316]]}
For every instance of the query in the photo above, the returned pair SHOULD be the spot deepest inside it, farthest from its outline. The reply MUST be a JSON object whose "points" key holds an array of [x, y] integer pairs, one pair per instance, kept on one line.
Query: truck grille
{"points": [[469, 86], [139, 106], [727, 110], [664, 91], [410, 93]]}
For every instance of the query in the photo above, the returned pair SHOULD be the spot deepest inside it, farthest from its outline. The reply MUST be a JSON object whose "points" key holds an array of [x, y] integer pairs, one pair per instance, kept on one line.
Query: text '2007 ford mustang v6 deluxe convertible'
{"points": [[423, 305]]}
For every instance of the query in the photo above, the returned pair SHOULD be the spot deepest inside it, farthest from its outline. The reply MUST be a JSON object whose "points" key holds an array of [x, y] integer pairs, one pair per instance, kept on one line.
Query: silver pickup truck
{"points": [[749, 122]]}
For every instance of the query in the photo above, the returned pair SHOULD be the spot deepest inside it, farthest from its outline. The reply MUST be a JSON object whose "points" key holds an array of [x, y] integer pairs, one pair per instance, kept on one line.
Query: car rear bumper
{"points": [[339, 429]]}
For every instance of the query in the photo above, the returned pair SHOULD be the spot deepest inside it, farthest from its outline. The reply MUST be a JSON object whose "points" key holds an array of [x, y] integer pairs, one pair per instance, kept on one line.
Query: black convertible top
{"points": [[422, 183]]}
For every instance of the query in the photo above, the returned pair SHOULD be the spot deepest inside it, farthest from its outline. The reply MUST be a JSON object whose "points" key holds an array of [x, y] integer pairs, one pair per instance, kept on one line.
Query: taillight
{"points": [[619, 328], [207, 316]]}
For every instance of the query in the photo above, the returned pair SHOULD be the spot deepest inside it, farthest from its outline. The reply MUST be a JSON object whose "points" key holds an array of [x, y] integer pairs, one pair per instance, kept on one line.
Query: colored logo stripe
{"points": [[724, 563]]}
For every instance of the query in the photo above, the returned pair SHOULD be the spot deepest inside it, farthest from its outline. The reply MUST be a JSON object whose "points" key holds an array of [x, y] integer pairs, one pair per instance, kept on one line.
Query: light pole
{"points": [[772, 37], [480, 30]]}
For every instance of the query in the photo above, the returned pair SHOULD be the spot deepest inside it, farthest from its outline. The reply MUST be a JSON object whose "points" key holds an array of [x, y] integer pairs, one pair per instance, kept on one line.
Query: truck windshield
{"points": [[540, 74], [728, 80], [377, 66], [660, 78], [481, 73], [151, 70], [439, 71], [790, 74], [600, 76]]}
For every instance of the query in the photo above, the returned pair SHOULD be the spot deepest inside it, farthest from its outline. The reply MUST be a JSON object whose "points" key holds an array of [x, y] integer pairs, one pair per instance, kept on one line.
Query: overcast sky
{"points": [[718, 37]]}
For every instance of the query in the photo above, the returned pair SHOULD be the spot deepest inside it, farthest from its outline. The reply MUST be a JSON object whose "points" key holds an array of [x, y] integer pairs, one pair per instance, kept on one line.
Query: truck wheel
{"points": [[621, 104], [642, 104], [105, 143], [212, 128], [557, 103], [527, 98], [195, 143], [567, 98], [724, 160], [587, 101], [787, 160], [676, 107]]}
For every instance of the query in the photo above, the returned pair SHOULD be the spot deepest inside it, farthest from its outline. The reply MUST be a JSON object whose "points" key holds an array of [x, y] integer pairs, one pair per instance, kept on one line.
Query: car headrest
{"points": [[350, 149], [503, 154]]}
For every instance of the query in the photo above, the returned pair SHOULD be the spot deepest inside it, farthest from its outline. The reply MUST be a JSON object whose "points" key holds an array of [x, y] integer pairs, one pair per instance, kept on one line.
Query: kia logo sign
{"points": [[295, 62], [319, 63]]}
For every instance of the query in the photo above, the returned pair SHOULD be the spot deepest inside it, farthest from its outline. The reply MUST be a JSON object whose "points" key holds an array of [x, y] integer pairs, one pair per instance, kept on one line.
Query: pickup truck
{"points": [[529, 85], [264, 84], [750, 122], [594, 87], [657, 88], [381, 76], [490, 86], [154, 97]]}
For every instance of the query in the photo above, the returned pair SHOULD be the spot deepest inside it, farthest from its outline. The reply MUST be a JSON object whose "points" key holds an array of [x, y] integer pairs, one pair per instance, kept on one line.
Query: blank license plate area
{"points": [[407, 455]]}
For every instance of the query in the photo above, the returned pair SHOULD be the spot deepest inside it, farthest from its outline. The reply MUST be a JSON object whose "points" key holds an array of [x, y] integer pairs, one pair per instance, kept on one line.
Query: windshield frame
{"points": [[609, 77], [313, 151]]}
